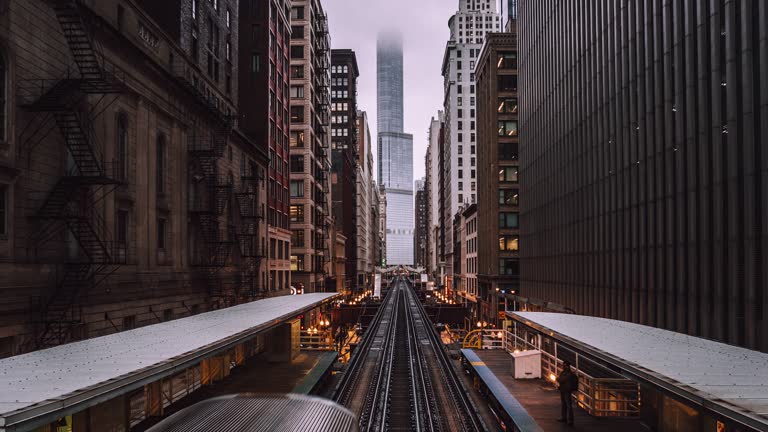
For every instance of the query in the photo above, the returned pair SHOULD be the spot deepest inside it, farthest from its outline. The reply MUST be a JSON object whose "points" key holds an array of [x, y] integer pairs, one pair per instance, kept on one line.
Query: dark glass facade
{"points": [[643, 150]]}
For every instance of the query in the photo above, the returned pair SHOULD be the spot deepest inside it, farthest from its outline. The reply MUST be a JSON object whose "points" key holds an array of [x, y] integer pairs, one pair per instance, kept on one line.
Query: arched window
{"points": [[3, 102], [160, 164], [121, 150]]}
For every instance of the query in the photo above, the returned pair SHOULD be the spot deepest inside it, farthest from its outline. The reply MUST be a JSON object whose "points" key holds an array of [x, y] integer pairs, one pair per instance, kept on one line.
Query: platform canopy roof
{"points": [[727, 380], [43, 385]]}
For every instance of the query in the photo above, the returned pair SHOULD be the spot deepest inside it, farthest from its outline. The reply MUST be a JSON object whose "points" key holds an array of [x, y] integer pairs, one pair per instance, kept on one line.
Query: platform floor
{"points": [[257, 376], [542, 400]]}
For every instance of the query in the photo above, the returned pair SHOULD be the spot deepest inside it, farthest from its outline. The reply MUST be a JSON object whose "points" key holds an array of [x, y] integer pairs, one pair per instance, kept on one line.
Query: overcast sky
{"points": [[424, 24]]}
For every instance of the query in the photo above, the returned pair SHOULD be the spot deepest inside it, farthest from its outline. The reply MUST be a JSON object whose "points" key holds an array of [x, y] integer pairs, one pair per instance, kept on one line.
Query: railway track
{"points": [[400, 378]]}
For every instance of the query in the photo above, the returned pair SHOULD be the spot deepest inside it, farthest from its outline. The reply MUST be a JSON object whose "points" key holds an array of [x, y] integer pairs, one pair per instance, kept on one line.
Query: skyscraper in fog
{"points": [[395, 150]]}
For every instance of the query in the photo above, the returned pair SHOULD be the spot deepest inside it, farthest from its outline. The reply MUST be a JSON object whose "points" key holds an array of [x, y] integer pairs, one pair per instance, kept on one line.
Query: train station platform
{"points": [[686, 383], [530, 405], [162, 362]]}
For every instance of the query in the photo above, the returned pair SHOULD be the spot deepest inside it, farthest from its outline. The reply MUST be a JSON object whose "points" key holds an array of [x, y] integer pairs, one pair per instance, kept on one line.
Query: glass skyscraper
{"points": [[395, 150]]}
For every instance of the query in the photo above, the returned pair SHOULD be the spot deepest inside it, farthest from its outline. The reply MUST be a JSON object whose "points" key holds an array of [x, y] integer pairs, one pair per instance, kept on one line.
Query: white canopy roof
{"points": [[732, 381], [81, 374]]}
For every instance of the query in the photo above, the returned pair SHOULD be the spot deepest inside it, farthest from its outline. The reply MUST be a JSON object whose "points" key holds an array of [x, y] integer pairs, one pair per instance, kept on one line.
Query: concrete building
{"points": [[498, 205], [344, 157], [395, 150], [469, 254], [366, 223], [433, 189], [310, 211], [382, 227], [127, 194], [647, 203], [375, 231], [264, 53], [420, 237], [468, 27]]}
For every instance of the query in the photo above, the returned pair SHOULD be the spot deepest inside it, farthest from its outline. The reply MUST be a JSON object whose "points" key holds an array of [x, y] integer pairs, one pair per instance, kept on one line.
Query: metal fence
{"points": [[602, 392]]}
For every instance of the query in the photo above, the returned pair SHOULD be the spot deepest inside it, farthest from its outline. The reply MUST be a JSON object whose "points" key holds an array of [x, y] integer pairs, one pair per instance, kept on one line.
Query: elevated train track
{"points": [[400, 378]]}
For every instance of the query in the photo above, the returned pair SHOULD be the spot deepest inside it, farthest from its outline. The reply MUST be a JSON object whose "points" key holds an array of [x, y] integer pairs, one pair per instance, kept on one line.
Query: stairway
{"points": [[79, 143]]}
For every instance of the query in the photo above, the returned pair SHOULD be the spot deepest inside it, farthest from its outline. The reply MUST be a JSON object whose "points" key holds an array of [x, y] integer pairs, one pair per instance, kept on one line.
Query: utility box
{"points": [[527, 364]]}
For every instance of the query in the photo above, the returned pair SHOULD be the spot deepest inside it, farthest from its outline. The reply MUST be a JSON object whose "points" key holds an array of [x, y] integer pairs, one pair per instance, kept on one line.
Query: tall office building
{"points": [[646, 200], [344, 148], [365, 204], [395, 150], [468, 28], [498, 270], [313, 240], [264, 118], [420, 237]]}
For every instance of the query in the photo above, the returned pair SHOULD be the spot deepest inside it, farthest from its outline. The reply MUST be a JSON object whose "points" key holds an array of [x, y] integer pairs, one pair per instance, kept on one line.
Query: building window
{"points": [[507, 151], [507, 128], [297, 13], [297, 163], [3, 210], [122, 227], [297, 71], [160, 165], [297, 139], [297, 188], [161, 233], [255, 63], [229, 19], [508, 220], [508, 197], [297, 114], [508, 243], [507, 60], [297, 238], [297, 32], [507, 105], [122, 147], [297, 262], [297, 52], [507, 83], [508, 174], [297, 92], [508, 267], [297, 213]]}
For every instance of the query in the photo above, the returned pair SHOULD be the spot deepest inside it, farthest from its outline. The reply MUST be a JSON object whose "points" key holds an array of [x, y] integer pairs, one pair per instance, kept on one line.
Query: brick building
{"points": [[498, 188], [310, 211], [128, 196], [264, 102]]}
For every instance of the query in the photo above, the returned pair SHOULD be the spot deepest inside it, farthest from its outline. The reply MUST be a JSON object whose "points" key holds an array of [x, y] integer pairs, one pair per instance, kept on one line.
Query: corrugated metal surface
{"points": [[244, 413]]}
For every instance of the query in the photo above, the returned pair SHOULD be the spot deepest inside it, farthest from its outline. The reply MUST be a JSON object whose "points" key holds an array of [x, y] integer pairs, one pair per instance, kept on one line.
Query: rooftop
{"points": [[68, 378], [729, 380]]}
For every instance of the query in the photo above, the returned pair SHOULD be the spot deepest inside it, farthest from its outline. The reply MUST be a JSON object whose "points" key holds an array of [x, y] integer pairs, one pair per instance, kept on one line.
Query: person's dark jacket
{"points": [[567, 382]]}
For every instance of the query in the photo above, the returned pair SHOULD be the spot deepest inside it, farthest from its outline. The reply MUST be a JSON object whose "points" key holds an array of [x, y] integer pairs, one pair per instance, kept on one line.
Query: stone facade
{"points": [[105, 176]]}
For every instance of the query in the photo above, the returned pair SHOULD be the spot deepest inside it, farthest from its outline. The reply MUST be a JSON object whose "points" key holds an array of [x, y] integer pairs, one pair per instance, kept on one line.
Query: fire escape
{"points": [[210, 199], [323, 102], [72, 206], [250, 214]]}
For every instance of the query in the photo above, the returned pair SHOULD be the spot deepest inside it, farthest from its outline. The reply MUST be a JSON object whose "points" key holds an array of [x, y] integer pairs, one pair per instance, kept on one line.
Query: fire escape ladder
{"points": [[73, 202], [80, 42]]}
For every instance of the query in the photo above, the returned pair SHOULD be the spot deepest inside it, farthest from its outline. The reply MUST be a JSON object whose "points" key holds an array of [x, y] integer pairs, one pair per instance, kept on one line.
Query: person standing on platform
{"points": [[568, 383]]}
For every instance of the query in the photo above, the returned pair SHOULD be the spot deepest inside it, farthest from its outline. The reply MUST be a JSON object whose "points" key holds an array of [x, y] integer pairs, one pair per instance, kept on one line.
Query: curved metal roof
{"points": [[726, 379], [251, 413]]}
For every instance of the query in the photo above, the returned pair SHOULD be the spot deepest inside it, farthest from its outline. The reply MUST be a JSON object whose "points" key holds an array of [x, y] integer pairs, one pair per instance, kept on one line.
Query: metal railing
{"points": [[316, 340], [601, 393]]}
